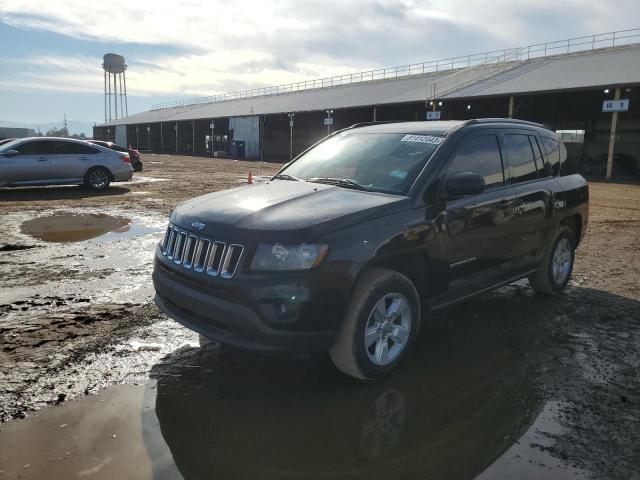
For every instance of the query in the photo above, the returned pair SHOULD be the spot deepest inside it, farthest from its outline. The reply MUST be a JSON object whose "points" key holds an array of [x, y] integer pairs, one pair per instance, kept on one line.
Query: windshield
{"points": [[384, 162], [9, 145]]}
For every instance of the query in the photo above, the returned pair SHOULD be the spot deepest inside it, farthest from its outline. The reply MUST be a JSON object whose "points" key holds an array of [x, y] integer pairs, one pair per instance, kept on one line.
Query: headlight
{"points": [[288, 257]]}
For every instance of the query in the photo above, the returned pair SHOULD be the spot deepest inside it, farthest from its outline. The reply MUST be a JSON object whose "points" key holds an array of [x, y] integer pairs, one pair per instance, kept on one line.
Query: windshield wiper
{"points": [[340, 182], [284, 176]]}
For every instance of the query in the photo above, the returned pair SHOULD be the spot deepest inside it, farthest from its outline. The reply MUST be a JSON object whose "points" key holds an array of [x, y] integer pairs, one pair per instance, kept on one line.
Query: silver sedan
{"points": [[61, 161]]}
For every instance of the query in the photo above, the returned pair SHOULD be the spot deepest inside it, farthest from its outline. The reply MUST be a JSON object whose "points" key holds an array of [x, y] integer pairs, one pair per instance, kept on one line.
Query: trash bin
{"points": [[238, 149]]}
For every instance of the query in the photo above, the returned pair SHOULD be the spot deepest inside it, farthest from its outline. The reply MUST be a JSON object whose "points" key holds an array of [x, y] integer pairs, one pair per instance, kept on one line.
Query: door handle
{"points": [[84, 159], [43, 159]]}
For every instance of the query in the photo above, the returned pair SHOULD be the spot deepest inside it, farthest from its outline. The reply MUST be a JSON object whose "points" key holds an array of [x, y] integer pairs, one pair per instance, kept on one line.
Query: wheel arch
{"points": [[413, 265], [574, 222]]}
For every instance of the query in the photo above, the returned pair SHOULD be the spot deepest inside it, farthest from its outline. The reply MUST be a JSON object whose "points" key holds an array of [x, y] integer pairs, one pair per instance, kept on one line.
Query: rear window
{"points": [[517, 149], [385, 162]]}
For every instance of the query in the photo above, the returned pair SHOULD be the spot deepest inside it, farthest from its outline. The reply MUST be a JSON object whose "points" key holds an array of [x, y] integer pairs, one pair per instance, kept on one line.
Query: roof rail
{"points": [[506, 120]]}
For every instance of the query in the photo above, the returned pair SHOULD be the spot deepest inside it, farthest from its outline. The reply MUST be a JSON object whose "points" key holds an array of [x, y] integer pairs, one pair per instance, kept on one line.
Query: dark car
{"points": [[136, 163], [353, 243]]}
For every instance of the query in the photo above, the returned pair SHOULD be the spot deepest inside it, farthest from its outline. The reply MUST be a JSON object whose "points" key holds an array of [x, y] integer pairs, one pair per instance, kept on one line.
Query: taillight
{"points": [[125, 159]]}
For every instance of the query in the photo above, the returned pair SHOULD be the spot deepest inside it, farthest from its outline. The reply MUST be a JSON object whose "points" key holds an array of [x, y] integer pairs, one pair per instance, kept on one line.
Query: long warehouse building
{"points": [[579, 92]]}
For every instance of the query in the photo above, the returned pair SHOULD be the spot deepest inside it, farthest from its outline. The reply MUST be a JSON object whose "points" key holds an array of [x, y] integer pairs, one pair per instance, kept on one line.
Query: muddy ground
{"points": [[506, 385]]}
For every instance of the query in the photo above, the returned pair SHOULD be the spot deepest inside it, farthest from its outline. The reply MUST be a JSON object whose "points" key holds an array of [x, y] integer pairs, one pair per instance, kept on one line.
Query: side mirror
{"points": [[10, 153], [465, 183]]}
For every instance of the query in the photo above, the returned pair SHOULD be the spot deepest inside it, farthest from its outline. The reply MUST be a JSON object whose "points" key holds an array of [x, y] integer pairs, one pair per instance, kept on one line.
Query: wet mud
{"points": [[506, 385]]}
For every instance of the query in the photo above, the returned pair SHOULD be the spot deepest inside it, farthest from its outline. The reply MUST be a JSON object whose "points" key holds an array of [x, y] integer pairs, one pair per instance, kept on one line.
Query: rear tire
{"points": [[97, 179], [380, 326], [557, 264]]}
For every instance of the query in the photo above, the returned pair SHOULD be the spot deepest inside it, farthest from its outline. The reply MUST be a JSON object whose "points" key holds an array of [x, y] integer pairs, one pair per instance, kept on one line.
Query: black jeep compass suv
{"points": [[357, 239]]}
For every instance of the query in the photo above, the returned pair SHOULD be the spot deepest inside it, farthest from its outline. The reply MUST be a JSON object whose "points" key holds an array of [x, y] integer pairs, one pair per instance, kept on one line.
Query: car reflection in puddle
{"points": [[75, 227], [464, 398]]}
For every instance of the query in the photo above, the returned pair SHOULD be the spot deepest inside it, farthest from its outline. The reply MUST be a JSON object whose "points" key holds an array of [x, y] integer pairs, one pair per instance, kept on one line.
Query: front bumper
{"points": [[242, 323]]}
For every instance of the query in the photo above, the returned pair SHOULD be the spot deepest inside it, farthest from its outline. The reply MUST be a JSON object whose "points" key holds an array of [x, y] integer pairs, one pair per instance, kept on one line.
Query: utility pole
{"points": [[291, 116]]}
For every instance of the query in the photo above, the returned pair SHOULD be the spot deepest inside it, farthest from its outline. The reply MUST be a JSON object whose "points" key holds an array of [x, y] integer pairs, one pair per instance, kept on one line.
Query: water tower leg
{"points": [[105, 96], [109, 96], [126, 106], [115, 91], [121, 103]]}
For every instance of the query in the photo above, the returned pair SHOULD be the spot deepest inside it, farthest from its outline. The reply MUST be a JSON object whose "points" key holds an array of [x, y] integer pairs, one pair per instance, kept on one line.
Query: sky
{"points": [[52, 50]]}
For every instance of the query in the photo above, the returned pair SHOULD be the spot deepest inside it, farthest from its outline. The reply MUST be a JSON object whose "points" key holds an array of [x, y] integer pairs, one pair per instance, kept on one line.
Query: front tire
{"points": [[380, 326], [97, 179], [557, 265]]}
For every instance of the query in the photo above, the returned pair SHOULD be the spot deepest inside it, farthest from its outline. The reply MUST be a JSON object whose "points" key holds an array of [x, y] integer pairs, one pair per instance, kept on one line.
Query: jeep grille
{"points": [[201, 254]]}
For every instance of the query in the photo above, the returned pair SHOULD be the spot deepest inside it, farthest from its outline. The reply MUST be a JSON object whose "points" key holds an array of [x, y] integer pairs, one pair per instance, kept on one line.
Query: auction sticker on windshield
{"points": [[422, 139]]}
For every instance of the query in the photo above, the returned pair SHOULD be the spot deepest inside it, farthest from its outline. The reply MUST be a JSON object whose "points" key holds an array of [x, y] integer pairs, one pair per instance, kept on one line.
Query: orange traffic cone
{"points": [[250, 179]]}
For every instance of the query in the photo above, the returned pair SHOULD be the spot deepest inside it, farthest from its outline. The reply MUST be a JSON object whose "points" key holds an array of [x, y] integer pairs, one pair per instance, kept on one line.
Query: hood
{"points": [[304, 210]]}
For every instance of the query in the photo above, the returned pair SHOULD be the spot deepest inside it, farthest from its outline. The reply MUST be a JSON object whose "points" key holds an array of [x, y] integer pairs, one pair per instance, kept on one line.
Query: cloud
{"points": [[189, 47]]}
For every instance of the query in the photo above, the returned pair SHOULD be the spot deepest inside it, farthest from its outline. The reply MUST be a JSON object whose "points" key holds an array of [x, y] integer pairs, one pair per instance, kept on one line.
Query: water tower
{"points": [[114, 66]]}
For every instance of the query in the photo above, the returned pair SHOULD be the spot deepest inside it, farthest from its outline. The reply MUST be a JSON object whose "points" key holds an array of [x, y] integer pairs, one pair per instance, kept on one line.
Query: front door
{"points": [[31, 165], [477, 229]]}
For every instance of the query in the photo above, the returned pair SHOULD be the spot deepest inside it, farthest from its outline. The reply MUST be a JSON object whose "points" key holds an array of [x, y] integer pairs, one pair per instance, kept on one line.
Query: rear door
{"points": [[30, 165], [70, 160], [532, 180], [478, 230]]}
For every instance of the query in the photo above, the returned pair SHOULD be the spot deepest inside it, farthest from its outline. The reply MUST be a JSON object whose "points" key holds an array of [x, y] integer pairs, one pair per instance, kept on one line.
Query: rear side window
{"points": [[72, 148], [480, 155], [541, 164], [517, 149], [33, 148], [552, 149]]}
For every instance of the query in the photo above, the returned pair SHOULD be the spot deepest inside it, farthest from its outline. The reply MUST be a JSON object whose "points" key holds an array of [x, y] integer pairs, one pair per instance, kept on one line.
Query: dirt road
{"points": [[506, 385]]}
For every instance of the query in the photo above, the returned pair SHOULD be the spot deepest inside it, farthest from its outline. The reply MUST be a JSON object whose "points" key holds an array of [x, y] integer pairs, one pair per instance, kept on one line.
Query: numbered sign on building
{"points": [[615, 105], [433, 115], [328, 121]]}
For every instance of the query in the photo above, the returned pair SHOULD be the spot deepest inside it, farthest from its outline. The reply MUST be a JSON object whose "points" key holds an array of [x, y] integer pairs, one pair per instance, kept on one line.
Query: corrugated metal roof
{"points": [[603, 67]]}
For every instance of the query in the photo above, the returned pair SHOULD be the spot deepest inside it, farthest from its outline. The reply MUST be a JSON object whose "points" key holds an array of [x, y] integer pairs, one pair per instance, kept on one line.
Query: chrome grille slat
{"points": [[231, 260], [189, 250], [201, 254], [216, 254], [177, 253]]}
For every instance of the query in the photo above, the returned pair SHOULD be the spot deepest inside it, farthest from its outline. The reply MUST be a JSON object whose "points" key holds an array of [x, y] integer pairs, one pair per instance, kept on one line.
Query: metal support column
{"points": [[121, 102], [291, 116], [176, 129], [137, 138], [612, 138], [193, 135], [105, 96], [213, 138], [126, 104], [375, 114], [161, 138], [511, 103], [115, 92], [149, 136]]}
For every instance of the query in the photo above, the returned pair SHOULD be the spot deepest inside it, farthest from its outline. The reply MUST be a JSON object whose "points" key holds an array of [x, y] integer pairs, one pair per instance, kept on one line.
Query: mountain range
{"points": [[74, 126]]}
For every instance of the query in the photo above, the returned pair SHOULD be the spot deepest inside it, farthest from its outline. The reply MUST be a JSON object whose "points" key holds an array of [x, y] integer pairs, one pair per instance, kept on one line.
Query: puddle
{"points": [[74, 227], [139, 179]]}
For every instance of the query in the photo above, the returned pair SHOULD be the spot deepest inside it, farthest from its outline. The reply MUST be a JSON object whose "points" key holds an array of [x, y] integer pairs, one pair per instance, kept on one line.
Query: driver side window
{"points": [[480, 155]]}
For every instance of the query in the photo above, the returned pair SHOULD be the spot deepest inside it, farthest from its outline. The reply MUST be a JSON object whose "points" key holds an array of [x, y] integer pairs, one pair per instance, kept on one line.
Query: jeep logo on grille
{"points": [[198, 225]]}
